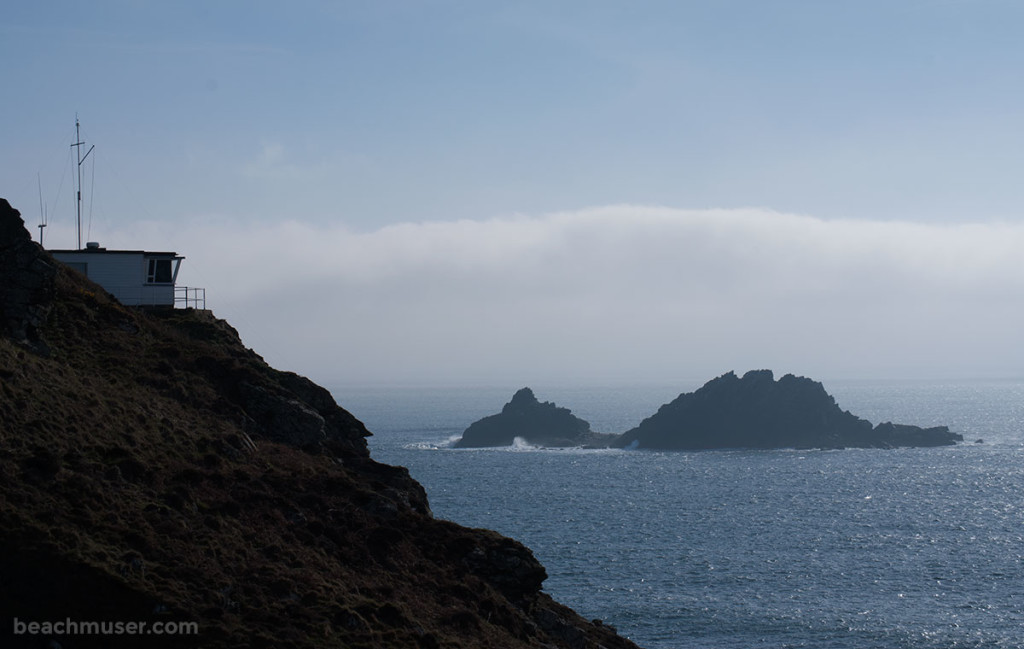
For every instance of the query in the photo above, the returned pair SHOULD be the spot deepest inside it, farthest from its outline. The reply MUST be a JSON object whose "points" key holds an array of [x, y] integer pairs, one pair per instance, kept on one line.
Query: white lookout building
{"points": [[134, 277]]}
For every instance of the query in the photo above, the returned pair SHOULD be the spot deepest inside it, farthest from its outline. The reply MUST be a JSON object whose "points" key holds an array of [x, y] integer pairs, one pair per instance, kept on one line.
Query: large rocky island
{"points": [[536, 423], [756, 411], [155, 471]]}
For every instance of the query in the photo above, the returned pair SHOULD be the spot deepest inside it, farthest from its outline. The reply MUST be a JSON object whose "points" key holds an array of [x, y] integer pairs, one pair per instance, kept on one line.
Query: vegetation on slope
{"points": [[154, 469]]}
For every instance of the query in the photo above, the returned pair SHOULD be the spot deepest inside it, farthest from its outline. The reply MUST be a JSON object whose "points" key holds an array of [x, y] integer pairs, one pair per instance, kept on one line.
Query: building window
{"points": [[159, 271], [80, 266]]}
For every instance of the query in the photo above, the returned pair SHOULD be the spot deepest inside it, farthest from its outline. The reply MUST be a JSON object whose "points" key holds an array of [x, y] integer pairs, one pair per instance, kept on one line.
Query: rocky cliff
{"points": [[154, 470], [539, 424], [756, 411]]}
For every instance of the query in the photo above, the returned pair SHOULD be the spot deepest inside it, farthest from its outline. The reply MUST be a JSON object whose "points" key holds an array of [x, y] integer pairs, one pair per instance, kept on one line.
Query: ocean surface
{"points": [[840, 549]]}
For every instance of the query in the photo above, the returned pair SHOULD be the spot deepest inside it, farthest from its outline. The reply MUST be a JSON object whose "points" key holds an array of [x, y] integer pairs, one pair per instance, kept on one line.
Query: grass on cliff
{"points": [[131, 490]]}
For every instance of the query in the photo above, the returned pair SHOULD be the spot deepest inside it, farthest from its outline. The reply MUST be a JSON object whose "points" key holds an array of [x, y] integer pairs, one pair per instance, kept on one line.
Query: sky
{"points": [[399, 192]]}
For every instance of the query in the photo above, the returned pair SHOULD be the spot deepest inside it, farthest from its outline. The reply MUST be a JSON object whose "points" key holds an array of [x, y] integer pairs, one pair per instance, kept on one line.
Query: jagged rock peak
{"points": [[524, 397]]}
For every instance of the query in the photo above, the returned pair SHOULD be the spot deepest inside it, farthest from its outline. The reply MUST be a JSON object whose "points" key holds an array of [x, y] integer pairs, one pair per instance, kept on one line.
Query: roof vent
{"points": [[92, 245]]}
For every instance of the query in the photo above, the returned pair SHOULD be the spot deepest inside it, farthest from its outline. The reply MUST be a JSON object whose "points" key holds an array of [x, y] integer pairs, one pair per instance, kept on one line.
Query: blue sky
{"points": [[469, 126]]}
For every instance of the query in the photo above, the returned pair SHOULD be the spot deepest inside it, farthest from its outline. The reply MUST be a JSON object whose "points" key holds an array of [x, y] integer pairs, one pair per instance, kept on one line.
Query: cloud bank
{"points": [[617, 293]]}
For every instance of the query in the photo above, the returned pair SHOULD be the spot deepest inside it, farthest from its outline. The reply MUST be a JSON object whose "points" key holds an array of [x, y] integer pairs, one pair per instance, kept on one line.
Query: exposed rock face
{"points": [[153, 469], [28, 276], [758, 412], [541, 424]]}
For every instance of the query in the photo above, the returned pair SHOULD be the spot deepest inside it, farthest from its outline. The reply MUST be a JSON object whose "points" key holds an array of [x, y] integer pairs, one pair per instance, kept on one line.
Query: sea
{"points": [[735, 549]]}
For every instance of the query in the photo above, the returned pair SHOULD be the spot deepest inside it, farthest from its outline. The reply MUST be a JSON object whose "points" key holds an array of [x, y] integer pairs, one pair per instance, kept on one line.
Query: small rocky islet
{"points": [[536, 423], [753, 411]]}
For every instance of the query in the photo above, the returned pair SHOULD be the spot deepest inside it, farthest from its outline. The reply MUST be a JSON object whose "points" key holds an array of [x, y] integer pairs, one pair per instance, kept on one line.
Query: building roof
{"points": [[101, 251]]}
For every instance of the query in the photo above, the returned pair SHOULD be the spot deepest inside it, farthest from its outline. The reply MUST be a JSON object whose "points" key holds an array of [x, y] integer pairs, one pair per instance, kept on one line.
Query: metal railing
{"points": [[187, 297], [160, 295]]}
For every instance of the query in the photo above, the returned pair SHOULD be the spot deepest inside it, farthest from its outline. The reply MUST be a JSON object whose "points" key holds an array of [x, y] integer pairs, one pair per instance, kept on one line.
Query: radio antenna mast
{"points": [[42, 210], [81, 158]]}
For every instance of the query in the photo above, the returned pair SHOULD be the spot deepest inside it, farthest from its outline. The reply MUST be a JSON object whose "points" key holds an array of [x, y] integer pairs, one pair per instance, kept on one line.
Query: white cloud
{"points": [[619, 292]]}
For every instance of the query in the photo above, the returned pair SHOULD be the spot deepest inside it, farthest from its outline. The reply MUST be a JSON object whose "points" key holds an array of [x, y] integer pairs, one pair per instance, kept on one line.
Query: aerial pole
{"points": [[42, 210], [81, 158]]}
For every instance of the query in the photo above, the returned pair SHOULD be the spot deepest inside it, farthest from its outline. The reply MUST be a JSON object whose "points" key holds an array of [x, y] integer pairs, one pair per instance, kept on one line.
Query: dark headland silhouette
{"points": [[154, 470], [754, 411]]}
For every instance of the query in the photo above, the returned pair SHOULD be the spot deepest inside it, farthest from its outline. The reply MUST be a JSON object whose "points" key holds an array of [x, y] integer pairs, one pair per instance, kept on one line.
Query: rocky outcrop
{"points": [[28, 281], [153, 469], [890, 435], [283, 418], [756, 411], [539, 424], [281, 406]]}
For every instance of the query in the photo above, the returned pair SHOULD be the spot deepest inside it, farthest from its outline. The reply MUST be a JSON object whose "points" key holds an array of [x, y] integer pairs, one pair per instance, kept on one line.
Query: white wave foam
{"points": [[520, 444]]}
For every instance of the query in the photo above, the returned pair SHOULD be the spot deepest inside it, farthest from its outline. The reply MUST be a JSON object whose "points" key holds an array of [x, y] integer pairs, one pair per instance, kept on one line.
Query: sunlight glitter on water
{"points": [[915, 548]]}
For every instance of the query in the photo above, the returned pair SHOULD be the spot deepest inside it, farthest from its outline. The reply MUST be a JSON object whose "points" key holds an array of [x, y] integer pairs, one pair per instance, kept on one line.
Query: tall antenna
{"points": [[81, 159], [42, 210]]}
